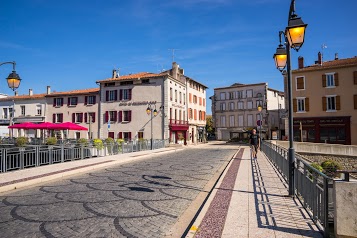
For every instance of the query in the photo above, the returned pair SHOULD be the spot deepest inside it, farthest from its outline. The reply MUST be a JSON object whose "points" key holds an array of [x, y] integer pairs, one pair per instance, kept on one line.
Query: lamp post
{"points": [[152, 112], [294, 38], [13, 81], [260, 108]]}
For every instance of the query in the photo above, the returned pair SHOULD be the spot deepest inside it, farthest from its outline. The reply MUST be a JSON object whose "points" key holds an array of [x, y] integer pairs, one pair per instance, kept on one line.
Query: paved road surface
{"points": [[141, 199]]}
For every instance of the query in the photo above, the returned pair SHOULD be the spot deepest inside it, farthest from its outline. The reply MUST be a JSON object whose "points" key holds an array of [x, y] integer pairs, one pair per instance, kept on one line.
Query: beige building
{"points": [[235, 111], [77, 106], [325, 101]]}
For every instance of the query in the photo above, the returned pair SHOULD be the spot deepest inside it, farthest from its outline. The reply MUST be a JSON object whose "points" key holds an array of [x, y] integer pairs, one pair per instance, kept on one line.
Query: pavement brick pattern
{"points": [[141, 199]]}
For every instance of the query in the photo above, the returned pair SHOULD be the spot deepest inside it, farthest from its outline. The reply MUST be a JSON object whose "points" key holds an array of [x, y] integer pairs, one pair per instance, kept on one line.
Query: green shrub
{"points": [[51, 141], [98, 143], [83, 141], [21, 141], [109, 140], [330, 167], [317, 166], [120, 141]]}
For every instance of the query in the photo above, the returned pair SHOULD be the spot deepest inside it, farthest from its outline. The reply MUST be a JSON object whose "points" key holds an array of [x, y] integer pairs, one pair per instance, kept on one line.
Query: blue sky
{"points": [[71, 44]]}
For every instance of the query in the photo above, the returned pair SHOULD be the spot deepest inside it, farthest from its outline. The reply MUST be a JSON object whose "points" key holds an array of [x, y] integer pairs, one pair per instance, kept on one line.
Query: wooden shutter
{"points": [[73, 117], [115, 95], [190, 97], [204, 102], [120, 135], [62, 101], [120, 94], [324, 104], [336, 79], [294, 105], [130, 94], [68, 101], [85, 100], [86, 117], [61, 117], [95, 100], [355, 77], [54, 102], [54, 118], [107, 95], [338, 103], [115, 116], [93, 117], [195, 114], [129, 135], [106, 117], [300, 83], [307, 104], [355, 100], [129, 115], [81, 117], [324, 80], [120, 116]]}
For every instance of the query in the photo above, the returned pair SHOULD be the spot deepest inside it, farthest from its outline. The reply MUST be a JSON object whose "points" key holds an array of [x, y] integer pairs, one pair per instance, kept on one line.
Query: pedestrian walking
{"points": [[254, 141]]}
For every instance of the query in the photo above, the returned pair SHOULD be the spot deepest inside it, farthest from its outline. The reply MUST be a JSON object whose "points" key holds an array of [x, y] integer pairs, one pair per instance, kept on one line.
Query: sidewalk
{"points": [[31, 176], [250, 201]]}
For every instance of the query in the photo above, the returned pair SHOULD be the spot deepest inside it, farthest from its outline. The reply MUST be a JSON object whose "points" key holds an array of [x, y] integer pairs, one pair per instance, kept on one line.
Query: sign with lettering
{"points": [[139, 103]]}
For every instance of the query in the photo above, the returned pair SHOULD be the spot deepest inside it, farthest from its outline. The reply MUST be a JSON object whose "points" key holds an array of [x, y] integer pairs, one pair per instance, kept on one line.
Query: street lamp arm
{"points": [[292, 9], [10, 62]]}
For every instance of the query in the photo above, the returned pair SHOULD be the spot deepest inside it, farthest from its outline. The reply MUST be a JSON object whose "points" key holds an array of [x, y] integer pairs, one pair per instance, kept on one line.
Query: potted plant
{"points": [[51, 141], [109, 142], [98, 144], [330, 168], [21, 142], [83, 142]]}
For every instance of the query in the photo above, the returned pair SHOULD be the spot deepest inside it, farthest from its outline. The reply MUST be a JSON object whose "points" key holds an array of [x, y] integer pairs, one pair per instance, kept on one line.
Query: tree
{"points": [[209, 124]]}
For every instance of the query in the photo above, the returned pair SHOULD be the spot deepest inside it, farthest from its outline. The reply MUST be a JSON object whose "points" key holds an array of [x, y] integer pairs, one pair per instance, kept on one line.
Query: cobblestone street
{"points": [[141, 199]]}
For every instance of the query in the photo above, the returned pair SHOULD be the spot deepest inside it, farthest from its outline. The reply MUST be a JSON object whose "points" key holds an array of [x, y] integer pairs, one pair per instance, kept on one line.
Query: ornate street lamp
{"points": [[294, 38], [13, 80]]}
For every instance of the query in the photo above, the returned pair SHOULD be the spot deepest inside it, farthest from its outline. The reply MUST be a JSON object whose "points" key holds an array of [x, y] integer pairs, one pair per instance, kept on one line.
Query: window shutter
{"points": [[106, 117], [294, 105], [85, 100], [73, 117], [62, 101], [93, 117], [120, 135], [129, 135], [355, 77], [324, 80], [115, 116], [190, 97], [107, 95], [61, 117], [204, 102], [129, 115], [120, 116], [336, 79], [307, 104], [54, 118], [54, 102], [68, 101], [129, 94], [95, 100], [116, 95], [355, 100], [324, 104], [121, 94], [338, 103], [85, 117], [195, 114]]}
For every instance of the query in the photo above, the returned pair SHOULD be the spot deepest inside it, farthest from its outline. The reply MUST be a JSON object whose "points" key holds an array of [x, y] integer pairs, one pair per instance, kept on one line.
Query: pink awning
{"points": [[25, 125], [44, 125], [70, 126]]}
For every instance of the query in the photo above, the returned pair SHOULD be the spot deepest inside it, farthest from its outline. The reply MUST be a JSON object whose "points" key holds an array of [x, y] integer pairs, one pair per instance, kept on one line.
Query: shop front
{"points": [[332, 130], [178, 132]]}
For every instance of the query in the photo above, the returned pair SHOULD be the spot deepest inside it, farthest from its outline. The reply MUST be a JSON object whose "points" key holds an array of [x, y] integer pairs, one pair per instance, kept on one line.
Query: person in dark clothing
{"points": [[254, 141]]}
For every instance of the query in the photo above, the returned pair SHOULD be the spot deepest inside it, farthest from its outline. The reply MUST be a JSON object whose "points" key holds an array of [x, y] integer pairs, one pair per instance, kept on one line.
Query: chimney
{"points": [[319, 58], [16, 93], [48, 90], [175, 70], [301, 62], [115, 74], [336, 56], [30, 92]]}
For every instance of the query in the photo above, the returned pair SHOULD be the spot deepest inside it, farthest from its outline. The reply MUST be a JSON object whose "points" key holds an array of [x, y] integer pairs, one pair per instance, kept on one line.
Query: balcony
{"points": [[177, 125]]}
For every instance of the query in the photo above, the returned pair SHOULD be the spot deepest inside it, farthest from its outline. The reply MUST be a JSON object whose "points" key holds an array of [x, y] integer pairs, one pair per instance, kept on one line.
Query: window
{"points": [[126, 83], [180, 97], [140, 135], [109, 84], [184, 99], [111, 95], [204, 102], [125, 116], [125, 94], [90, 100], [231, 121], [200, 101], [223, 121], [223, 96], [175, 95], [240, 105], [249, 93], [250, 120], [222, 106], [89, 117], [231, 106], [39, 110], [259, 103], [58, 102], [250, 105], [77, 117], [330, 80], [145, 81], [239, 94], [231, 95], [72, 101], [240, 120], [5, 113], [124, 135], [300, 104], [171, 94], [300, 83], [195, 99], [10, 112], [23, 111], [110, 116], [57, 118], [190, 113], [331, 103]]}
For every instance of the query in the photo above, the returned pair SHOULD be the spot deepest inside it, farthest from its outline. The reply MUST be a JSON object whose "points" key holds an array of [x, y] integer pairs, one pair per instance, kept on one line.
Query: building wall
{"points": [[315, 92]]}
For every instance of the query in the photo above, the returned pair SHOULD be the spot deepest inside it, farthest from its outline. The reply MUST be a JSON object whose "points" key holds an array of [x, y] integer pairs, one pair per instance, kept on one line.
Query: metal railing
{"points": [[312, 188], [14, 158]]}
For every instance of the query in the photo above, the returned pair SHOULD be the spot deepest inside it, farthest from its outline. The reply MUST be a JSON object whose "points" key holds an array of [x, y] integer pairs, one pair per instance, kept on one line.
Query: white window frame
{"points": [[250, 122], [71, 103], [38, 110], [77, 116], [222, 96], [330, 77], [223, 121], [240, 94], [57, 117], [90, 100], [111, 96], [59, 102], [23, 110], [231, 95], [250, 92], [231, 121], [111, 116], [327, 103], [298, 108], [222, 106], [240, 120], [241, 105], [125, 94], [250, 103], [231, 106], [125, 116], [5, 112], [296, 83]]}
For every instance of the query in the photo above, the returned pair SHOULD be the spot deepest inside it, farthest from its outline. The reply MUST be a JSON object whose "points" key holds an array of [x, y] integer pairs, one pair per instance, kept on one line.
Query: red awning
{"points": [[70, 126], [44, 125], [25, 125]]}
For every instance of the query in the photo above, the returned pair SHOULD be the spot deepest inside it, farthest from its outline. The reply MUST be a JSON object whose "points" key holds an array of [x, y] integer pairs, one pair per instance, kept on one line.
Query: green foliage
{"points": [[51, 141], [120, 141], [317, 167], [209, 125], [330, 167], [98, 143], [83, 141], [109, 140], [21, 141]]}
